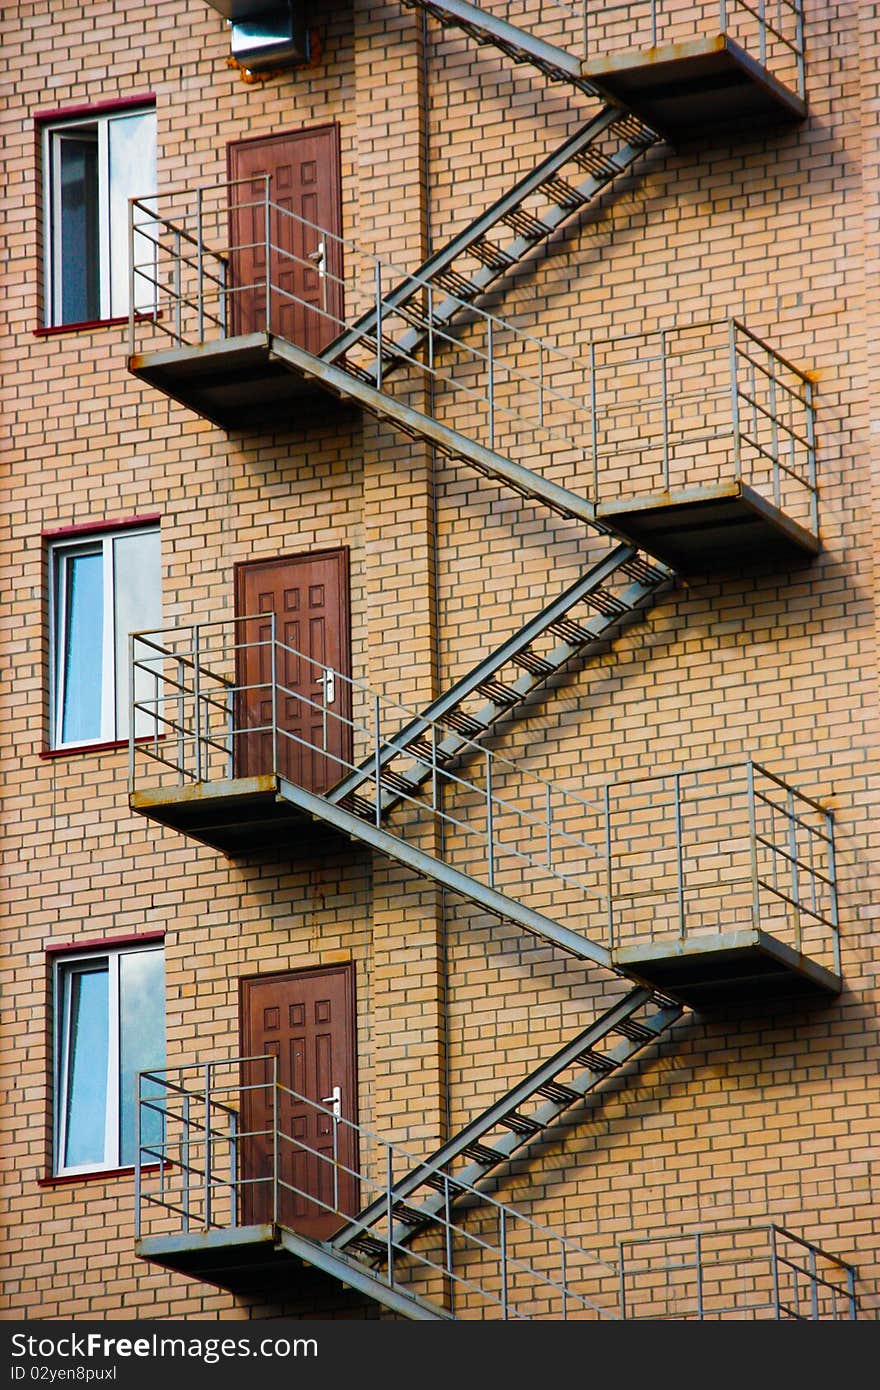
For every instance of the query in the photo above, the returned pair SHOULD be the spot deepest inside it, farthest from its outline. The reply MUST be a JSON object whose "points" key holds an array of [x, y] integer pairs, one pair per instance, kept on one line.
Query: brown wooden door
{"points": [[305, 299], [309, 595], [305, 1019]]}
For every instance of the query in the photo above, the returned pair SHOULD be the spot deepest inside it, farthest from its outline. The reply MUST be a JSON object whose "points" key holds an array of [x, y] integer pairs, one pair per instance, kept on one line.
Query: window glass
{"points": [[102, 591], [110, 1008], [77, 256], [132, 159], [137, 607], [87, 1015], [82, 615], [142, 1042]]}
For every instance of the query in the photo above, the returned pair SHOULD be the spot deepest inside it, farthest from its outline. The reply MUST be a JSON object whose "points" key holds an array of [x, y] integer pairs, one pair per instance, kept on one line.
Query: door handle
{"points": [[327, 680], [334, 1100], [317, 256]]}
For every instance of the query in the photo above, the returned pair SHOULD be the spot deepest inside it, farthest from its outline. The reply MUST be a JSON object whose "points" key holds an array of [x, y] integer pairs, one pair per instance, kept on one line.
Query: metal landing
{"points": [[703, 529], [712, 970], [687, 88], [241, 815], [236, 383]]}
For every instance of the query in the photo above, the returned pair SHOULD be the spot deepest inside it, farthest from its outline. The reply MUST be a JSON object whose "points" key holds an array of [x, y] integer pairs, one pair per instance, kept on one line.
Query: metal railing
{"points": [[221, 1146], [689, 404], [681, 853], [771, 31], [743, 1272]]}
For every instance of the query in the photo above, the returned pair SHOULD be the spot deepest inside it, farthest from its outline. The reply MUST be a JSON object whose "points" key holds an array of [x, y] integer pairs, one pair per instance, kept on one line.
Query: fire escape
{"points": [[624, 419]]}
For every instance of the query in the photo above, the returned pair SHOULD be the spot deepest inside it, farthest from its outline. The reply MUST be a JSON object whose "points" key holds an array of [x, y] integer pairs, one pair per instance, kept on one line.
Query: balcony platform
{"points": [[242, 815], [236, 383], [687, 88], [700, 530], [711, 970]]}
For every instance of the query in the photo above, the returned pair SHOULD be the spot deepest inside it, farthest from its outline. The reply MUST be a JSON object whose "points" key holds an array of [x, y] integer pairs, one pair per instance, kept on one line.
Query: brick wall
{"points": [[754, 1112]]}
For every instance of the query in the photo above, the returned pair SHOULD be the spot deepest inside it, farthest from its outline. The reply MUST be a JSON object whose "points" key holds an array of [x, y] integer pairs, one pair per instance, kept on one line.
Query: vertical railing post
{"points": [[233, 1169], [275, 1146], [185, 1164], [504, 1291], [594, 420], [178, 290], [774, 1273], [609, 871], [490, 356], [490, 821], [137, 1149], [563, 1280], [851, 1294], [447, 1219], [734, 401], [621, 1268], [208, 1155], [548, 811], [679, 855], [273, 676], [795, 877], [753, 845], [762, 21], [377, 758], [814, 1282], [540, 383], [230, 733], [131, 342], [335, 1123], [664, 390], [430, 328], [812, 473], [181, 720], [799, 49], [197, 698], [698, 1253], [722, 17], [378, 325], [389, 1213], [653, 23], [200, 278], [774, 434], [267, 233], [832, 875], [131, 642]]}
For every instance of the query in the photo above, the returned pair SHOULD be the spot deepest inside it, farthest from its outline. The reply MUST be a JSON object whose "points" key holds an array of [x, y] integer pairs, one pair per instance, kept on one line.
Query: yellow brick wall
{"points": [[750, 1113]]}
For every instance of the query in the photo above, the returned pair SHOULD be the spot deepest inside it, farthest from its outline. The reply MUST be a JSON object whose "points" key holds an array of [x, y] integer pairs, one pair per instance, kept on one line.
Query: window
{"points": [[109, 1025], [92, 166], [101, 589]]}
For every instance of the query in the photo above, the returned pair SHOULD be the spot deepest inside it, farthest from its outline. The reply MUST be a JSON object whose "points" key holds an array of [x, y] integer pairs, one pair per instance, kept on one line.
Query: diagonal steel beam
{"points": [[452, 697], [450, 442], [426, 866], [444, 258], [358, 1277]]}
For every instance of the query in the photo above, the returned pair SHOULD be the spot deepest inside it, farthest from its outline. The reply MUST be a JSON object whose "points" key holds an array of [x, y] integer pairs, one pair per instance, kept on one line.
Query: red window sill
{"points": [[87, 324], [110, 747], [66, 1178]]}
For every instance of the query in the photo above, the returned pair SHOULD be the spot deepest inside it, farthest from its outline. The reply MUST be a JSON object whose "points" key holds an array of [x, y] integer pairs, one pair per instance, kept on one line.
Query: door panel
{"points": [[306, 305], [306, 1019], [309, 595]]}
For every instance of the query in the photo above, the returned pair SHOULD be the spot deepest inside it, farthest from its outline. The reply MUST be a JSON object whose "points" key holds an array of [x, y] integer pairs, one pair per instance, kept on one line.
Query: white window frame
{"points": [[52, 248], [60, 551], [61, 1053]]}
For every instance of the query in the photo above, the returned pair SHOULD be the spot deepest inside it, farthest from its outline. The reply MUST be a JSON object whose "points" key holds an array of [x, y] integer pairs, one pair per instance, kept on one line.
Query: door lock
{"points": [[334, 1100]]}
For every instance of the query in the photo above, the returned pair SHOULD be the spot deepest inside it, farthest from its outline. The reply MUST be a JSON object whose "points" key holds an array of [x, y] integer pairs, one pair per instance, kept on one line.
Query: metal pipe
{"points": [[609, 872], [178, 289], [762, 21], [815, 1287], [233, 1169], [208, 1194], [753, 845], [734, 402], [378, 266], [774, 1270], [198, 705], [832, 875], [698, 1252], [793, 852], [389, 1213], [200, 301], [503, 1220], [594, 420], [664, 384], [490, 821], [679, 851], [563, 1275], [774, 439], [490, 353], [335, 1122], [447, 1212], [549, 812], [377, 758], [267, 229], [273, 676], [811, 455], [621, 1267], [184, 1157]]}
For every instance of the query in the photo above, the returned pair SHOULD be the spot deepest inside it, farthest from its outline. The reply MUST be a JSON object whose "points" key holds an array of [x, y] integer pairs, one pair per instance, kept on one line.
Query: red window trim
{"points": [[63, 1179], [82, 326], [113, 746], [82, 528], [55, 948], [96, 108]]}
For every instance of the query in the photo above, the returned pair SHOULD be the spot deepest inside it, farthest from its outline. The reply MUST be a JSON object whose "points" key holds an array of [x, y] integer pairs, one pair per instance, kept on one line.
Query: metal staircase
{"points": [[452, 279], [514, 1121], [609, 597]]}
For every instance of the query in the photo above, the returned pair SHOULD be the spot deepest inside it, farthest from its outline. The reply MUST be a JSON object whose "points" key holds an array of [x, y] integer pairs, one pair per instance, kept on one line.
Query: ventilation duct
{"points": [[266, 33]]}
